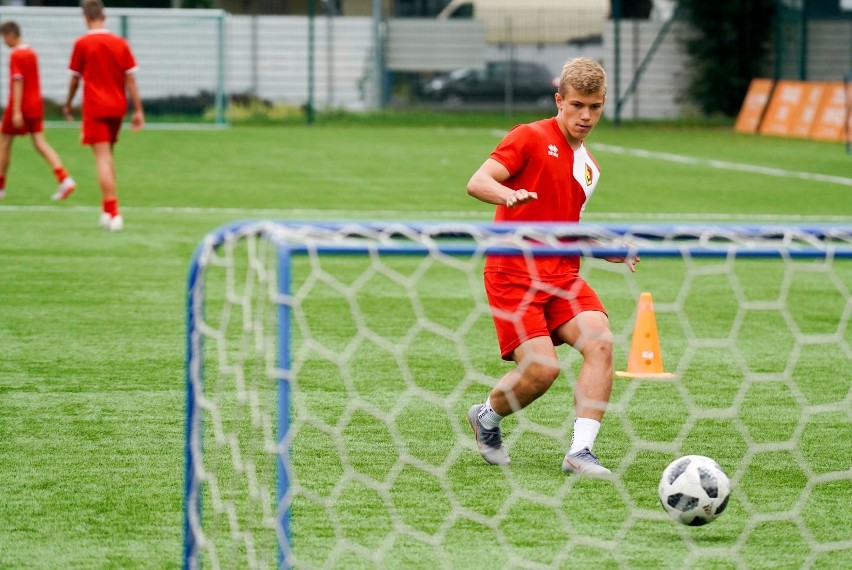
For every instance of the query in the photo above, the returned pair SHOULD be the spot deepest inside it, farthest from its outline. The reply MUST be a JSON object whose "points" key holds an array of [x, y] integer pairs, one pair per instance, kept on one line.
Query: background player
{"points": [[25, 111], [107, 68], [542, 172]]}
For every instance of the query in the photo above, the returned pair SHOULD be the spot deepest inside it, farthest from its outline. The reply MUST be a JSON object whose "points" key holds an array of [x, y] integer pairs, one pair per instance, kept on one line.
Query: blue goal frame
{"points": [[395, 238]]}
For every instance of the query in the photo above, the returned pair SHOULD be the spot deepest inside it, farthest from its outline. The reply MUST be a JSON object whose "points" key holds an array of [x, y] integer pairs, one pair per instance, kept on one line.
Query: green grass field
{"points": [[92, 369]]}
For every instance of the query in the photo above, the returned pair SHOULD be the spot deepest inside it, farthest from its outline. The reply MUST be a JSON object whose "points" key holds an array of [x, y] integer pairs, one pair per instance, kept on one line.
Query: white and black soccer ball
{"points": [[694, 490]]}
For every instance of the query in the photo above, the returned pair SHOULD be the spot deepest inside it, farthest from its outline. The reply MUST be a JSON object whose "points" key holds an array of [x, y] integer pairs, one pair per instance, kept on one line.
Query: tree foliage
{"points": [[728, 48]]}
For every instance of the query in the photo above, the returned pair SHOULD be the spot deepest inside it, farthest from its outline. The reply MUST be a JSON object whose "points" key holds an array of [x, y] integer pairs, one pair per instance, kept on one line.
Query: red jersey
{"points": [[102, 60], [539, 159], [23, 66]]}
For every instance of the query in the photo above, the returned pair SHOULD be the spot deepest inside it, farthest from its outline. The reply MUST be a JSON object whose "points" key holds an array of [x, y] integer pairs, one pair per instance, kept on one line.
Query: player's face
{"points": [[578, 114]]}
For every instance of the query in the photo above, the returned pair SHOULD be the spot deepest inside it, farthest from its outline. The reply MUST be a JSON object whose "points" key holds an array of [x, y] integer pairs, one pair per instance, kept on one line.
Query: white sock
{"points": [[585, 432], [488, 417]]}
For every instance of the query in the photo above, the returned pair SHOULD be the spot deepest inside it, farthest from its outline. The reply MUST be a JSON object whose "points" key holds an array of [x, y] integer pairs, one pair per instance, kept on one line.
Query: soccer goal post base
{"points": [[330, 368]]}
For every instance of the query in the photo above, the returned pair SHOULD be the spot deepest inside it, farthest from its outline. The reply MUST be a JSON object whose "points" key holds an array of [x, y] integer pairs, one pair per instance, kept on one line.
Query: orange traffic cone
{"points": [[645, 360]]}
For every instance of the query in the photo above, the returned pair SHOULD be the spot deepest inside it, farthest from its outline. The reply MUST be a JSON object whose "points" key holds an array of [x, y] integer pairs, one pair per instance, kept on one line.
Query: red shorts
{"points": [[525, 309], [30, 125], [100, 130]]}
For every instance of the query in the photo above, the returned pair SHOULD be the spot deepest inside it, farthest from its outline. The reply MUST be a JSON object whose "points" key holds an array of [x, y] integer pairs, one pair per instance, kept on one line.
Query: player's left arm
{"points": [[630, 259], [137, 121]]}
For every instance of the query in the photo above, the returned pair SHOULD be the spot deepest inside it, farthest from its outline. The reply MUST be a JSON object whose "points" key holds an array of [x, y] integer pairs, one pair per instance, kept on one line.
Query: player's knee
{"points": [[598, 346], [542, 374]]}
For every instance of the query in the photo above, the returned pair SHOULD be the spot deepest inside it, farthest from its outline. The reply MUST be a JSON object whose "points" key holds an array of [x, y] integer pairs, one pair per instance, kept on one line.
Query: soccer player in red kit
{"points": [[105, 64], [25, 112], [543, 172]]}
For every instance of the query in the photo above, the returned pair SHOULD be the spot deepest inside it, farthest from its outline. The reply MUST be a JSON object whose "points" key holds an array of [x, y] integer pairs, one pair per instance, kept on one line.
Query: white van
{"points": [[534, 21]]}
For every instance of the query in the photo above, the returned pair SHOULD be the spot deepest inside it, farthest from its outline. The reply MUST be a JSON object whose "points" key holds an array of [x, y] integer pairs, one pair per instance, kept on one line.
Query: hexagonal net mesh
{"points": [[330, 369]]}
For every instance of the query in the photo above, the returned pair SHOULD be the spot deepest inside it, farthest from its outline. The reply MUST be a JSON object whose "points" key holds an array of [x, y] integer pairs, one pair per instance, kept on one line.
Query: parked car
{"points": [[531, 83]]}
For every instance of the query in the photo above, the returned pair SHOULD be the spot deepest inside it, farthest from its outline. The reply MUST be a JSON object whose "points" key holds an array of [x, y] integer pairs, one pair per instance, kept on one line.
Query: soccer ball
{"points": [[694, 490]]}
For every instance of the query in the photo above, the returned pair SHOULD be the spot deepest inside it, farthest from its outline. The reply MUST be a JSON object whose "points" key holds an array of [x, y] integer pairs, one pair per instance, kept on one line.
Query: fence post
{"points": [[378, 59], [309, 106]]}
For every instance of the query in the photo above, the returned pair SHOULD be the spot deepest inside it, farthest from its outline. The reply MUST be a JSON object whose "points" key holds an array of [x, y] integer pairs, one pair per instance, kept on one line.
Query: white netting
{"points": [[392, 340]]}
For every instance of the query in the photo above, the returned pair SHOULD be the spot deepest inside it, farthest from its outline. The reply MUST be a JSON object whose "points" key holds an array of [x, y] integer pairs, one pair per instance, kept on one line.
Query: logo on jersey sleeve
{"points": [[552, 150], [590, 175]]}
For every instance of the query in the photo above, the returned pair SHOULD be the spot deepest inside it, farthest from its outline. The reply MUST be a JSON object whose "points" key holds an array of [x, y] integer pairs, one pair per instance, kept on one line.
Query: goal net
{"points": [[330, 369], [180, 53]]}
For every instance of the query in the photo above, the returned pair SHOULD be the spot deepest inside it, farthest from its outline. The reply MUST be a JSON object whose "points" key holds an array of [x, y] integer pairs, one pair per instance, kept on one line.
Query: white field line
{"points": [[423, 215], [318, 214], [282, 213], [723, 164]]}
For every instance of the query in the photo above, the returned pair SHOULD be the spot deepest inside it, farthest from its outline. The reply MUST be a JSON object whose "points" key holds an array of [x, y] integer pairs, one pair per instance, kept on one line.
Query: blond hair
{"points": [[583, 74]]}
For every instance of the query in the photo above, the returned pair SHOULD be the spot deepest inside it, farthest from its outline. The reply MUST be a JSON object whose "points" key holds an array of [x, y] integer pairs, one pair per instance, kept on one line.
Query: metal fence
{"points": [[180, 53], [358, 63]]}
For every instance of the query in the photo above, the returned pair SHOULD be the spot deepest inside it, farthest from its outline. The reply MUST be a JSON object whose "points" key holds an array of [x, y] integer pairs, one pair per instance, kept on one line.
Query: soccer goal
{"points": [[330, 368], [180, 53]]}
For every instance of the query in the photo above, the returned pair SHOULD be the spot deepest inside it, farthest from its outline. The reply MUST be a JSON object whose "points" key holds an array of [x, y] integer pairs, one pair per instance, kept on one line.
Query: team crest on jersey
{"points": [[590, 175]]}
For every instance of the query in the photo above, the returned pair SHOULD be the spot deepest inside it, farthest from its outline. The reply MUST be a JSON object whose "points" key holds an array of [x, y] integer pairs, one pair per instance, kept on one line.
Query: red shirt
{"points": [[23, 66], [539, 159], [102, 60]]}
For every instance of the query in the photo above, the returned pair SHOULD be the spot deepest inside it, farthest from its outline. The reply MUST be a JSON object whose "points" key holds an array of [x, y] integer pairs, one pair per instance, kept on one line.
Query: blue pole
{"points": [[283, 365], [192, 493]]}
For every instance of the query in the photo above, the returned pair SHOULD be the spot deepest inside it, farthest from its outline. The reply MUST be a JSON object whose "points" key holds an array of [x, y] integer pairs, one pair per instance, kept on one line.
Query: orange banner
{"points": [[754, 105], [832, 112], [806, 112], [816, 110], [783, 107]]}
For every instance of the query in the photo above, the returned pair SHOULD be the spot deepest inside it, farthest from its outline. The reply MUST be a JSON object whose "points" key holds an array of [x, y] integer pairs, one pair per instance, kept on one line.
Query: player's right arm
{"points": [[73, 84], [75, 66], [17, 102], [486, 185]]}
